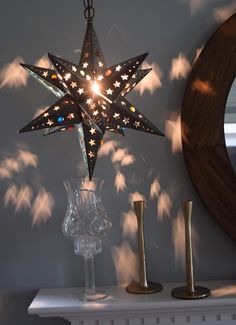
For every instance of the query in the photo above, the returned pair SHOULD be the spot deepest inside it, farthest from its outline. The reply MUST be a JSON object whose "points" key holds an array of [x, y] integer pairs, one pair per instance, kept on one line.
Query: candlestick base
{"points": [[183, 293], [152, 287]]}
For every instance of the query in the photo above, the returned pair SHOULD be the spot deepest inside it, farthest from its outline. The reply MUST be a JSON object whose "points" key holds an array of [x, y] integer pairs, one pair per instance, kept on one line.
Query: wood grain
{"points": [[202, 125]]}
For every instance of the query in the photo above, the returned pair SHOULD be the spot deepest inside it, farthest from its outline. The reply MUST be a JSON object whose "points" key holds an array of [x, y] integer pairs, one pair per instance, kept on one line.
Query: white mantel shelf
{"points": [[122, 308]]}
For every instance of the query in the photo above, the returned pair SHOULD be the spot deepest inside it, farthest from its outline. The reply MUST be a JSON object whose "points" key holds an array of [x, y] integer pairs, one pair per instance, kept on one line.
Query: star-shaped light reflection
{"points": [[91, 97]]}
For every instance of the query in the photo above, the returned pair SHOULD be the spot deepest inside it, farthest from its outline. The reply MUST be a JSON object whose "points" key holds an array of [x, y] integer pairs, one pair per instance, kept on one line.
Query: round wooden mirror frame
{"points": [[202, 126]]}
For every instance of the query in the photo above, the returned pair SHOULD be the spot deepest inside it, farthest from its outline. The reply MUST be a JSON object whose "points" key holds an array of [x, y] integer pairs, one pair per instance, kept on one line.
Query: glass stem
{"points": [[89, 275]]}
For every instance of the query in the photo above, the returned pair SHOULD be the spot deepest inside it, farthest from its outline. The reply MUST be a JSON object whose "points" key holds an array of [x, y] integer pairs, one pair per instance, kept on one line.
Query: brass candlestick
{"points": [[190, 291], [144, 286]]}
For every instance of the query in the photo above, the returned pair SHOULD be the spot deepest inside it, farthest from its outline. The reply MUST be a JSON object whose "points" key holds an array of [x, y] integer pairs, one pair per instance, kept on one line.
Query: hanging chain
{"points": [[89, 11]]}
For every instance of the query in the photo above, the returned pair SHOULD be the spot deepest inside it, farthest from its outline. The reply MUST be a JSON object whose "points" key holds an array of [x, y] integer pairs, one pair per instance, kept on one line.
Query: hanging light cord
{"points": [[89, 10]]}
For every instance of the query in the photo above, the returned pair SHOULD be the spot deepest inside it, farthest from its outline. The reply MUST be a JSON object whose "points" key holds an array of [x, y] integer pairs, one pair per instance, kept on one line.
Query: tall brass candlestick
{"points": [[187, 211], [144, 286], [190, 291]]}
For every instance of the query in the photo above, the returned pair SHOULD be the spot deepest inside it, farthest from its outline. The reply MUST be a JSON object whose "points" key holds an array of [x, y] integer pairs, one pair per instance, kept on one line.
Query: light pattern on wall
{"points": [[32, 197], [91, 97], [152, 80], [125, 272], [222, 13], [12, 76], [180, 67], [178, 239]]}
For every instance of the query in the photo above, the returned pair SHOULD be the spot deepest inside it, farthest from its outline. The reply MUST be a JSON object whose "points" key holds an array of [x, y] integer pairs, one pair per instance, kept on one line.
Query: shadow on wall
{"points": [[13, 310]]}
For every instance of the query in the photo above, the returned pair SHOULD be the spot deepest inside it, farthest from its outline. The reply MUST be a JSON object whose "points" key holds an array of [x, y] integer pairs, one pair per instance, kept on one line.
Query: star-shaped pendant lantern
{"points": [[91, 97]]}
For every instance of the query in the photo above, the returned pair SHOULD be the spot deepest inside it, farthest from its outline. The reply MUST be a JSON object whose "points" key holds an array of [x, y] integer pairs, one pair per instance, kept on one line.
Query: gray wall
{"points": [[38, 256]]}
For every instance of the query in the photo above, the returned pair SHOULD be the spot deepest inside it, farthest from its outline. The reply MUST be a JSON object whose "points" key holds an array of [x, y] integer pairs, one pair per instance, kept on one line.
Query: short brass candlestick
{"points": [[190, 291], [144, 286]]}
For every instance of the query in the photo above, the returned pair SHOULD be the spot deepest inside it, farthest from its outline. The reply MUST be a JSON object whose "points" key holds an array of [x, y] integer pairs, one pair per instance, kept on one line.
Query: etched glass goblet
{"points": [[86, 222]]}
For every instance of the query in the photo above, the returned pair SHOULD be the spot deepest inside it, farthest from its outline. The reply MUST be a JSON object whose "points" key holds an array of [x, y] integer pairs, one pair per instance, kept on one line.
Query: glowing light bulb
{"points": [[96, 88]]}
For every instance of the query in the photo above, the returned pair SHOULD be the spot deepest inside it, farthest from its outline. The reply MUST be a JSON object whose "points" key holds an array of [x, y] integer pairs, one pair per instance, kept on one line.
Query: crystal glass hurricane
{"points": [[86, 222]]}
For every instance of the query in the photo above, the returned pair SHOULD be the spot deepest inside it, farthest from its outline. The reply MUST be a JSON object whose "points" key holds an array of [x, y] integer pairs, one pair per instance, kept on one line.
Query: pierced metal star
{"points": [[92, 97]]}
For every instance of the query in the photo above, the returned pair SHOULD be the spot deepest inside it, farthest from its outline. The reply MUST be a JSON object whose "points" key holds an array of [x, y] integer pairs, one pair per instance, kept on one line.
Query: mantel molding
{"points": [[122, 308]]}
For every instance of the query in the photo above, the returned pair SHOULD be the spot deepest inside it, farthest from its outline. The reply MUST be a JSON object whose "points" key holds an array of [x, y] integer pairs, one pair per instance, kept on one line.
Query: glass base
{"points": [[95, 297], [90, 297]]}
